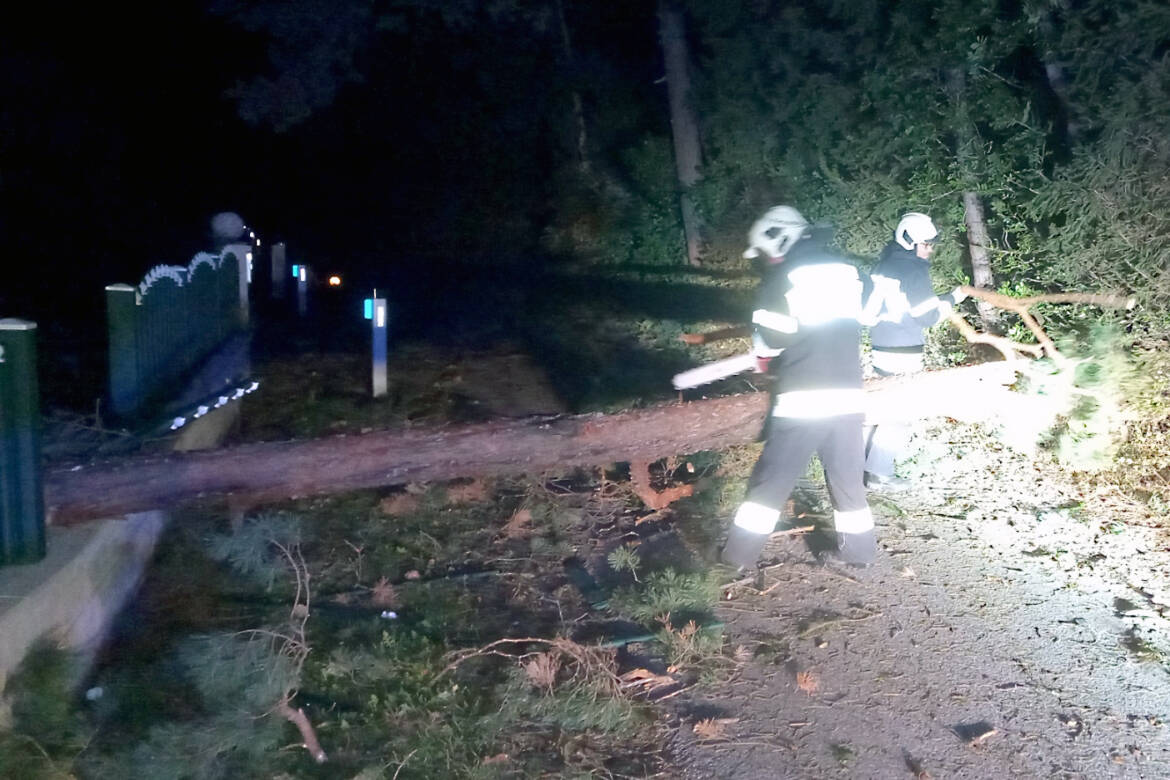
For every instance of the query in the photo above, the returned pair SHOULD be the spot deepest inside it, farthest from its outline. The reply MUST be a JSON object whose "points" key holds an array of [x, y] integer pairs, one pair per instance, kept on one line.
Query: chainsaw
{"points": [[713, 372]]}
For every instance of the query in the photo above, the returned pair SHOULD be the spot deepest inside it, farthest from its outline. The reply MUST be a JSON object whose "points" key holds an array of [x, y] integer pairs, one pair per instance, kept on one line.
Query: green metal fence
{"points": [[22, 510], [163, 328]]}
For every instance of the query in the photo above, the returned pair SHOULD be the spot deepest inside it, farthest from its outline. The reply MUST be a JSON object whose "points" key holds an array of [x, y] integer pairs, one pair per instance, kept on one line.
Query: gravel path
{"points": [[1014, 627]]}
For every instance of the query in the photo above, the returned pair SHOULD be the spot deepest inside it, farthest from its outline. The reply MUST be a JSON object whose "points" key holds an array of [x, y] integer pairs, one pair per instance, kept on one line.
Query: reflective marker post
{"points": [[245, 266], [301, 274], [375, 311], [22, 507], [243, 254]]}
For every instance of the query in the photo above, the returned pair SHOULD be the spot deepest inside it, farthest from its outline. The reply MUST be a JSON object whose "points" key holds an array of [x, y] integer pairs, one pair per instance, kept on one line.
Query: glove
{"points": [[958, 295]]}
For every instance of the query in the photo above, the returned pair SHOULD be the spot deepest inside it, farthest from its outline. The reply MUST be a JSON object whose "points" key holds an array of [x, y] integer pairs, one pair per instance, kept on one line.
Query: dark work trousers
{"points": [[791, 444]]}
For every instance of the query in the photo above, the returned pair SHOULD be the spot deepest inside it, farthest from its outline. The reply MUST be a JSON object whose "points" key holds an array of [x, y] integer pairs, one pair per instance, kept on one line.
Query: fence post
{"points": [[278, 261], [22, 507], [122, 320]]}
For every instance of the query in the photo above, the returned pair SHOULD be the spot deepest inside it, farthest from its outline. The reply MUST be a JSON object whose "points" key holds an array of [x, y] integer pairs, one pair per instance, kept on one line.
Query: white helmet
{"points": [[776, 232], [915, 228]]}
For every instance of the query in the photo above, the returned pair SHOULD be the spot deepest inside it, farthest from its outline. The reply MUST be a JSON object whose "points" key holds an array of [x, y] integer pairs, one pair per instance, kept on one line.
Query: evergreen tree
{"points": [[1103, 215]]}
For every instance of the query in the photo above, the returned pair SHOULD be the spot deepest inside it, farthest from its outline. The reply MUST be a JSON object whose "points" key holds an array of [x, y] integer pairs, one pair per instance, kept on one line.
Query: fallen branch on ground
{"points": [[591, 661]]}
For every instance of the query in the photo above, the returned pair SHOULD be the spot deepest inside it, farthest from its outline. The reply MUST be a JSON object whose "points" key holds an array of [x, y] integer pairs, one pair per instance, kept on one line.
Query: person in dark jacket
{"points": [[902, 279], [807, 324]]}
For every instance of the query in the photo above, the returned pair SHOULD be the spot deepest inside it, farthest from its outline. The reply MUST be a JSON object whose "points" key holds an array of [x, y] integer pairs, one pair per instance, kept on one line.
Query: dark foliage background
{"points": [[413, 134]]}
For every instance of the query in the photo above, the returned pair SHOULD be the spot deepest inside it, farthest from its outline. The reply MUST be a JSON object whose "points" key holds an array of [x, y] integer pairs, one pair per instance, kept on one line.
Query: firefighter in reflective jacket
{"points": [[808, 322], [902, 279]]}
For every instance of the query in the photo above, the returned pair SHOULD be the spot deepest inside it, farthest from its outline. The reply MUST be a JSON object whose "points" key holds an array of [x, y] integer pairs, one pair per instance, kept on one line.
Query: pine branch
{"points": [[294, 645]]}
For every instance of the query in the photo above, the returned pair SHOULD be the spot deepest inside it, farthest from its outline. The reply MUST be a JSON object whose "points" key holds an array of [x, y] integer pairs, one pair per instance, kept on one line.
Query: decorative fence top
{"points": [[162, 329], [178, 274]]}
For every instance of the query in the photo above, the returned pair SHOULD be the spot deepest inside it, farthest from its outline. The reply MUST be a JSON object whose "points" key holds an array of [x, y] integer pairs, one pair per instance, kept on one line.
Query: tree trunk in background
{"points": [[974, 214], [1067, 130], [978, 242], [684, 122], [584, 164]]}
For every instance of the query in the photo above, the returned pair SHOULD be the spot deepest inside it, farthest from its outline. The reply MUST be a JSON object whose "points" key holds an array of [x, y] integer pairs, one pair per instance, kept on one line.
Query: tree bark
{"points": [[974, 216], [684, 122], [584, 163], [978, 243], [257, 473]]}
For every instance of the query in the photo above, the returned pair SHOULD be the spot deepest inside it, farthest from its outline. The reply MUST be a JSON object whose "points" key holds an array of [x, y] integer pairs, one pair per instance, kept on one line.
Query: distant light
{"points": [[303, 275], [296, 269], [202, 410], [381, 316], [252, 387], [251, 234], [335, 281], [368, 308], [178, 423]]}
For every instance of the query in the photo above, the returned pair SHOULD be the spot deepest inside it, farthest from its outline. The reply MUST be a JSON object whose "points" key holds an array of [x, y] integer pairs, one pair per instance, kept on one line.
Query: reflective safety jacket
{"points": [[808, 319], [902, 279]]}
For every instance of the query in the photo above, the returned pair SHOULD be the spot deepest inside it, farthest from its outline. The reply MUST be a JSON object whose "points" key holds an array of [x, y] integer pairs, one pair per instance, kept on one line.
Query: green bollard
{"points": [[22, 503]]}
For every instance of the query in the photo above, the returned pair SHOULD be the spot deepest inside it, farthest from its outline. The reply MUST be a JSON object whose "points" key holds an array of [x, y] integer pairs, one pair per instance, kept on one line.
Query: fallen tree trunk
{"points": [[281, 470]]}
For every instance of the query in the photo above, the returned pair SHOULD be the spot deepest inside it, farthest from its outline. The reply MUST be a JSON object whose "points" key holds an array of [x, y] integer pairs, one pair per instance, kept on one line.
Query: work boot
{"points": [[886, 483], [856, 550], [743, 548]]}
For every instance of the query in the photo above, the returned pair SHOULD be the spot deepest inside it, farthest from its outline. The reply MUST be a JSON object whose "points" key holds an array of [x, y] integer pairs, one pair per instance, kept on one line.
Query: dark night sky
{"points": [[117, 143]]}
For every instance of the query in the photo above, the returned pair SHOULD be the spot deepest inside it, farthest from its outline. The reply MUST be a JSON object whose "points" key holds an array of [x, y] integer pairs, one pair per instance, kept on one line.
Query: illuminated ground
{"points": [[1014, 627]]}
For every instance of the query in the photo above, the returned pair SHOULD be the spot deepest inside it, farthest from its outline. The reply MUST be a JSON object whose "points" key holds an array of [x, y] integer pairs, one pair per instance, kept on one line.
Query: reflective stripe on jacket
{"points": [[810, 310], [909, 304]]}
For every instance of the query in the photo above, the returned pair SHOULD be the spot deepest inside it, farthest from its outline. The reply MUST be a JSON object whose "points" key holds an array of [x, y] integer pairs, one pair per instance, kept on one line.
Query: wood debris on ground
{"points": [[712, 728], [808, 681], [644, 681]]}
